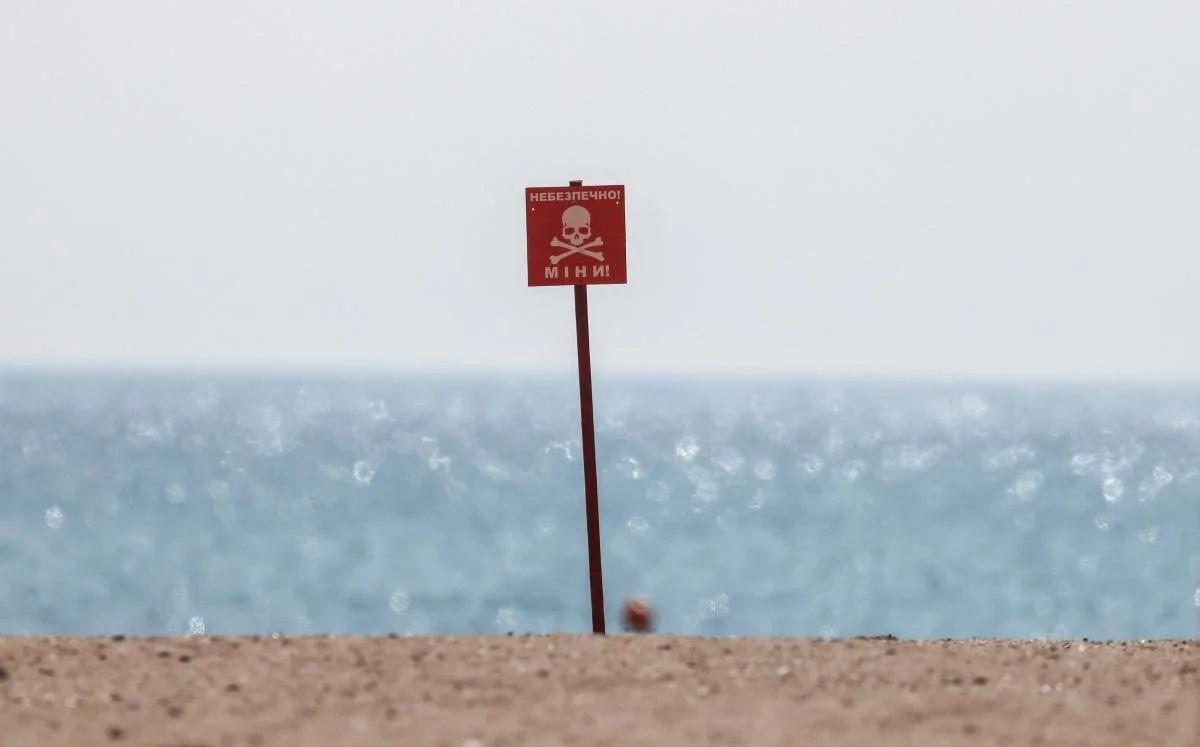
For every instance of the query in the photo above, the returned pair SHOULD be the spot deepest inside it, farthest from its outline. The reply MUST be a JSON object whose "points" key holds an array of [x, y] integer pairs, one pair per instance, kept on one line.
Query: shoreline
{"points": [[494, 691]]}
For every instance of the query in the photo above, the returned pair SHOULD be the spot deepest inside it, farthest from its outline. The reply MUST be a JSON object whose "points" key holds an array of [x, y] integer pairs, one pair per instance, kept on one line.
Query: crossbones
{"points": [[581, 249]]}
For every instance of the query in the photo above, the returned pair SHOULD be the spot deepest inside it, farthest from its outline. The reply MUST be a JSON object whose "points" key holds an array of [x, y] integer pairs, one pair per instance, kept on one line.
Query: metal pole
{"points": [[590, 488]]}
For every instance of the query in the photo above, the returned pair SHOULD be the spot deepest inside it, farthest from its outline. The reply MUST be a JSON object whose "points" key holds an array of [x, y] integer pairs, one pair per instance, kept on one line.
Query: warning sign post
{"points": [[576, 236]]}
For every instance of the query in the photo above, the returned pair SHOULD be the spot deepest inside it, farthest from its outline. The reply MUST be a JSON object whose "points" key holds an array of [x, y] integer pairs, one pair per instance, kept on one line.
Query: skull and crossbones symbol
{"points": [[576, 229]]}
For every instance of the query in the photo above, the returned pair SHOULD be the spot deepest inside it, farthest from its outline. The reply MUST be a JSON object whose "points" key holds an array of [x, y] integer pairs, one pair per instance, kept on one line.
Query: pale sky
{"points": [[928, 188]]}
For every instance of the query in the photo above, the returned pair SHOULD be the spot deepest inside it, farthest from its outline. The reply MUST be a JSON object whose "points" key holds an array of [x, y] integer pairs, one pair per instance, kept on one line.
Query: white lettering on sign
{"points": [[600, 271], [575, 195]]}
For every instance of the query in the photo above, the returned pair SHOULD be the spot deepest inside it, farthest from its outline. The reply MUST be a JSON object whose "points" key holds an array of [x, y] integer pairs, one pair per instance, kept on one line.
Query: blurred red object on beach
{"points": [[637, 616]]}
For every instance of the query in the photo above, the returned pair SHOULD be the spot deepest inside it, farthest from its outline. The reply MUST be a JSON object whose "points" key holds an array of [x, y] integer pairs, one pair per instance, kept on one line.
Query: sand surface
{"points": [[580, 690]]}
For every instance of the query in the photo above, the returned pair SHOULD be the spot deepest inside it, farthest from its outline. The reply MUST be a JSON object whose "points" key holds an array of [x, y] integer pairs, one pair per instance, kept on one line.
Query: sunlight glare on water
{"points": [[274, 504]]}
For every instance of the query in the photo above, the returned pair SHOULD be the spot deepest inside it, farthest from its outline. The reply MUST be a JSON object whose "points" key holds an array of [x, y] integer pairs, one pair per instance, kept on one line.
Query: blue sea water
{"points": [[203, 503]]}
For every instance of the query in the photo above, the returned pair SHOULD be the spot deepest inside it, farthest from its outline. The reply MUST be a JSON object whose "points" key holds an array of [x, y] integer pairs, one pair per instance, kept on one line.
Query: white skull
{"points": [[577, 224]]}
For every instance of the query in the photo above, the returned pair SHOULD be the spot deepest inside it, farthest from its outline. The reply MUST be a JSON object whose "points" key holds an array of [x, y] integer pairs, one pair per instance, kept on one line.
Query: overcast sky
{"points": [[929, 188]]}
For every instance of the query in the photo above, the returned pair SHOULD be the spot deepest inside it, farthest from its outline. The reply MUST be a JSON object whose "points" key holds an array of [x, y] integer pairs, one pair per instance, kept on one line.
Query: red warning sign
{"points": [[575, 235]]}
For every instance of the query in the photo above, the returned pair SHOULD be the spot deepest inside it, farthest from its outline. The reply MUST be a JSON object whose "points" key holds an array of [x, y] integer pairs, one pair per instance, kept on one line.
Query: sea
{"points": [[193, 503]]}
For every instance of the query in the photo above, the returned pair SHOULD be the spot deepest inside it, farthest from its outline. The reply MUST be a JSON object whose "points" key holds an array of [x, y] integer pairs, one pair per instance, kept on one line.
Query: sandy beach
{"points": [[581, 690]]}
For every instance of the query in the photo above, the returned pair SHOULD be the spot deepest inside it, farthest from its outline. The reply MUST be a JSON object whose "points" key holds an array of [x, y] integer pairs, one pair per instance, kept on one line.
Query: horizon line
{"points": [[362, 369]]}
